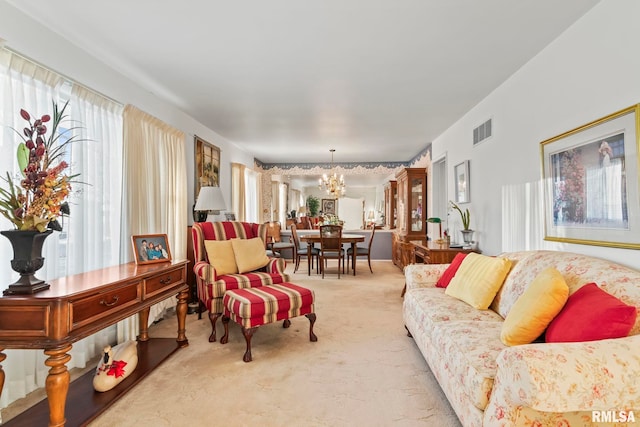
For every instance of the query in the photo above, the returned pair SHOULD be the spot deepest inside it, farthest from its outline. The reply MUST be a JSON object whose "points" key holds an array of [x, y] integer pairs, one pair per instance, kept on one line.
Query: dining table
{"points": [[314, 237]]}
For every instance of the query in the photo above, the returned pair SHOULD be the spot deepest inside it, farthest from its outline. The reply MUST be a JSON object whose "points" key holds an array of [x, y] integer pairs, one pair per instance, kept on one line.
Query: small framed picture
{"points": [[150, 248], [462, 187], [329, 206], [229, 216]]}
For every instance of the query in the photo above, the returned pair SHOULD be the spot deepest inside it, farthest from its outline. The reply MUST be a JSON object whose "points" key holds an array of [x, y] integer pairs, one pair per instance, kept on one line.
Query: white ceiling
{"points": [[287, 80]]}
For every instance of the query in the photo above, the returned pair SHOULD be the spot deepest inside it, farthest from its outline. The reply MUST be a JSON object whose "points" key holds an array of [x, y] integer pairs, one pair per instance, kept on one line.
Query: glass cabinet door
{"points": [[417, 204]]}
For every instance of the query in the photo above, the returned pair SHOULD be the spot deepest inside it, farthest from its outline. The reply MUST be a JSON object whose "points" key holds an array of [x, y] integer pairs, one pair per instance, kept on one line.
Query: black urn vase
{"points": [[27, 259]]}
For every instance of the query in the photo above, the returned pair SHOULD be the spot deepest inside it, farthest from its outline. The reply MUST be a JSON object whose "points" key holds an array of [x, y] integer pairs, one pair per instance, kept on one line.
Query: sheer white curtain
{"points": [[238, 199], [155, 176], [253, 207], [245, 186], [33, 87]]}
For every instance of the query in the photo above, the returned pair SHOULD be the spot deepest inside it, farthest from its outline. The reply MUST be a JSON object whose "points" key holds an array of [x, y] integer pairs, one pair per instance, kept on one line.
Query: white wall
{"points": [[26, 36], [589, 72]]}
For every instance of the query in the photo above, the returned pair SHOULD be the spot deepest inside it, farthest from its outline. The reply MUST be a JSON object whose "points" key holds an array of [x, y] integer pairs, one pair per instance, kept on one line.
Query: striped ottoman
{"points": [[253, 307]]}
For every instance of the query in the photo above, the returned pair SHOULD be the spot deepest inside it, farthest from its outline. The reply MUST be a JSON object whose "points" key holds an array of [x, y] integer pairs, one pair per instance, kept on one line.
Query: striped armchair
{"points": [[212, 286]]}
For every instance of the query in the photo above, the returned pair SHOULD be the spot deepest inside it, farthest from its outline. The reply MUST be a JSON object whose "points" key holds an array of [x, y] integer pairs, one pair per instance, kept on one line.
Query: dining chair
{"points": [[331, 246], [274, 240], [362, 251], [303, 251]]}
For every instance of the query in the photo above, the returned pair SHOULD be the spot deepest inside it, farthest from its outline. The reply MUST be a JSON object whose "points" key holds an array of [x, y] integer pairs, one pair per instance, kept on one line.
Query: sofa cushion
{"points": [[471, 349], [535, 308], [478, 279], [431, 306], [221, 256], [450, 272], [591, 314], [250, 254]]}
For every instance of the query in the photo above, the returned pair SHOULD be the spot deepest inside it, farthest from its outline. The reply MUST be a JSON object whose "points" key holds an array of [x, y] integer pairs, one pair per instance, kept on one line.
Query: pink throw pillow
{"points": [[448, 274], [591, 314]]}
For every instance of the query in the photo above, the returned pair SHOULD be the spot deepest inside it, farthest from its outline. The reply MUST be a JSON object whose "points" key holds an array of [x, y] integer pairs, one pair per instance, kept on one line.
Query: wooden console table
{"points": [[77, 306]]}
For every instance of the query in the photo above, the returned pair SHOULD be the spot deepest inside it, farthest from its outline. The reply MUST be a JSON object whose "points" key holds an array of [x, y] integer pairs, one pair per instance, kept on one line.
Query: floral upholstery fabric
{"points": [[557, 378], [431, 305], [489, 384], [423, 275], [471, 349], [577, 270]]}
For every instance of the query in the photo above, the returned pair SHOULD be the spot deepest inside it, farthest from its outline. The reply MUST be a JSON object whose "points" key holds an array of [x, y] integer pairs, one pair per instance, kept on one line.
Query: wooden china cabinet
{"points": [[411, 214], [390, 204]]}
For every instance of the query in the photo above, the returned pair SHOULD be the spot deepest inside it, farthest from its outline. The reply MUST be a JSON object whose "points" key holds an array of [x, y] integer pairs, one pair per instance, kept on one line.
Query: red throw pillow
{"points": [[448, 274], [591, 314]]}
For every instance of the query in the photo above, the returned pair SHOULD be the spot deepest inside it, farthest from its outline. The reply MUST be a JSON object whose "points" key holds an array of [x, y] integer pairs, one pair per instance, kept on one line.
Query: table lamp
{"points": [[210, 201]]}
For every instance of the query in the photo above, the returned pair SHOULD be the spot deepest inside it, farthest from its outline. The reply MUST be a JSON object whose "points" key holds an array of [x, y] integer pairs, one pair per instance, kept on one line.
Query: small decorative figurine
{"points": [[115, 365]]}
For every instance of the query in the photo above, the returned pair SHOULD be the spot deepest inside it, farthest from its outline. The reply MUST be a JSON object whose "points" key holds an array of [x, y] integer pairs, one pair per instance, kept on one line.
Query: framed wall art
{"points": [[150, 248], [590, 177], [207, 165], [461, 183], [329, 206]]}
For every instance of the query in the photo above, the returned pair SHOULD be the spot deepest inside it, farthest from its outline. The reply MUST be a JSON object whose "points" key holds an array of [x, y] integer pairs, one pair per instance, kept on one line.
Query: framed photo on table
{"points": [[462, 187], [207, 165], [590, 177], [150, 248]]}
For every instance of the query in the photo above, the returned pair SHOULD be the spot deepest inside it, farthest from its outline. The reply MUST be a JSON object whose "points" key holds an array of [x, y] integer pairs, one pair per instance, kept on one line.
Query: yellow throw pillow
{"points": [[250, 254], [221, 257], [478, 280], [535, 308]]}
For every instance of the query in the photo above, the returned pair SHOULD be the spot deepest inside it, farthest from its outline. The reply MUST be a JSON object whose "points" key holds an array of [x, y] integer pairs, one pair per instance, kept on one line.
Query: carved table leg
{"points": [[248, 333], [312, 320], [143, 327], [181, 314], [225, 337], [57, 383]]}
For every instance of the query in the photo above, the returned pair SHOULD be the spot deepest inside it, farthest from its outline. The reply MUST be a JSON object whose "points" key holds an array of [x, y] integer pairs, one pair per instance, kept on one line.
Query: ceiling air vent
{"points": [[482, 132]]}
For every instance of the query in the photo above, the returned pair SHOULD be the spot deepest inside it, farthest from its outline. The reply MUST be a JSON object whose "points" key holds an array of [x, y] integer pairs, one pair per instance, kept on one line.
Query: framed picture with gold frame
{"points": [[590, 177], [150, 248], [207, 165]]}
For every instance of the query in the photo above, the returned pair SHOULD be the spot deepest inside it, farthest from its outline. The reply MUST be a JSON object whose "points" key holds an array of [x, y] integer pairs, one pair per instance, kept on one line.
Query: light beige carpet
{"points": [[363, 370]]}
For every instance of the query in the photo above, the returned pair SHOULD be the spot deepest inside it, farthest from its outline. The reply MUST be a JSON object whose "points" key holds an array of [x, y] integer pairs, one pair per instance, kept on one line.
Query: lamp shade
{"points": [[210, 199]]}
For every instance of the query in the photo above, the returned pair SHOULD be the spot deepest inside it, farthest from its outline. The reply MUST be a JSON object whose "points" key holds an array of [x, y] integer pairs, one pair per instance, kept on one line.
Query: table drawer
{"points": [[164, 280], [104, 303]]}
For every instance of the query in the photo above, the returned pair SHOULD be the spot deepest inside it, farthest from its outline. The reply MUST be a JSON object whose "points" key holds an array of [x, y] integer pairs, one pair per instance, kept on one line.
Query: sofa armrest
{"points": [[423, 275], [567, 377]]}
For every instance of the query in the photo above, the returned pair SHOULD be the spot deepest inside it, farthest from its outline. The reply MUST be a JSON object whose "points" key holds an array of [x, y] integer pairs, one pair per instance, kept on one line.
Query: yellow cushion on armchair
{"points": [[221, 256], [250, 254]]}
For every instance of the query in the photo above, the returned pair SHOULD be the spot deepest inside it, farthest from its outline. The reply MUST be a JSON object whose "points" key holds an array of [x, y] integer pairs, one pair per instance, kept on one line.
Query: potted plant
{"points": [[313, 203], [465, 217], [39, 198]]}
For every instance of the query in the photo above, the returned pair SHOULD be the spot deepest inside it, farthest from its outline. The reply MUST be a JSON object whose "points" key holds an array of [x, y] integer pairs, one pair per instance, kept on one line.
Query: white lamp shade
{"points": [[210, 199]]}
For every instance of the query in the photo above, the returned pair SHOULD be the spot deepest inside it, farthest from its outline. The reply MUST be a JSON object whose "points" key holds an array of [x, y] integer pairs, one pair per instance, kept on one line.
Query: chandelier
{"points": [[333, 185]]}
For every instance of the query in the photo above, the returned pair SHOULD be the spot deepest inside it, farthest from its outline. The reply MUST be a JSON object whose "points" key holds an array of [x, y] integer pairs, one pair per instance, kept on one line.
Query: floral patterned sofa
{"points": [[540, 384]]}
